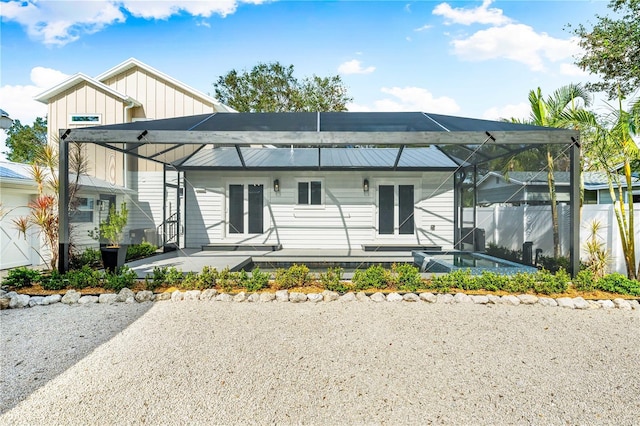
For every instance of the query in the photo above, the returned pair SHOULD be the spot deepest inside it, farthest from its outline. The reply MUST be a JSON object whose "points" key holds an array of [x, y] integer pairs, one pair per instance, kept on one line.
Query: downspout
{"points": [[125, 119]]}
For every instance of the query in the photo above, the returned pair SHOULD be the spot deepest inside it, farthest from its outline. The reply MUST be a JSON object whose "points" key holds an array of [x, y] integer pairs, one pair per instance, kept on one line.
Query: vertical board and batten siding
{"points": [[347, 219], [86, 99]]}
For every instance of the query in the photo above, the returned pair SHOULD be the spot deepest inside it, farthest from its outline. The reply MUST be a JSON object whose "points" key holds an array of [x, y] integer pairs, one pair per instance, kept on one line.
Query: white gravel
{"points": [[325, 363]]}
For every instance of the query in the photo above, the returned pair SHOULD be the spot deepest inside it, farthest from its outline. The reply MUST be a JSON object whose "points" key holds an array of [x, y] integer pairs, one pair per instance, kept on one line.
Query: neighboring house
{"points": [[18, 189], [5, 120], [129, 92], [531, 188]]}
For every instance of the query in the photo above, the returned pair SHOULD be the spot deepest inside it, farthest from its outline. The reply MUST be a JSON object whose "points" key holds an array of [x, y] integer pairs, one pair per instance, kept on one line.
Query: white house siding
{"points": [[16, 249], [348, 218], [145, 205]]}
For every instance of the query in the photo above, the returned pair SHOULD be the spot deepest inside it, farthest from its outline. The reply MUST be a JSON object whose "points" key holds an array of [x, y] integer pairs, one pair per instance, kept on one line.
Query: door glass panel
{"points": [[385, 209], [405, 209], [256, 209], [236, 209], [303, 192], [316, 193]]}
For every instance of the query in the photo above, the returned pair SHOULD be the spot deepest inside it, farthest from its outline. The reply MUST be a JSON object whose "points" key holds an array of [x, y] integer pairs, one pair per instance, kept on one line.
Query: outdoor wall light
{"points": [[276, 185], [365, 185]]}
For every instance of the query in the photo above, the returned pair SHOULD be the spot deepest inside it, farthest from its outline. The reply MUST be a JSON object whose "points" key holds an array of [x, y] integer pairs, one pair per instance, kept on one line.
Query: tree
{"points": [[611, 146], [612, 49], [273, 88], [26, 142], [558, 110]]}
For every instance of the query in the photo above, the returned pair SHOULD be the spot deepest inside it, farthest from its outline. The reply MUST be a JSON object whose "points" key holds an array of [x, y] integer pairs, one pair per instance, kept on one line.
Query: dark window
{"points": [[236, 209], [82, 211], [590, 197], [405, 209], [310, 192], [303, 192], [385, 209], [256, 209]]}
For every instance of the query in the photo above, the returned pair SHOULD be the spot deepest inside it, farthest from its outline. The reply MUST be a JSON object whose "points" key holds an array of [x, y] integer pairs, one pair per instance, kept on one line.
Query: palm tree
{"points": [[560, 109], [611, 149]]}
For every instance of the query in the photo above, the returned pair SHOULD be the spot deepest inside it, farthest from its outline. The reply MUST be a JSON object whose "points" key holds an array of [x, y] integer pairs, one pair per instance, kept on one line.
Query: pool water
{"points": [[476, 263]]}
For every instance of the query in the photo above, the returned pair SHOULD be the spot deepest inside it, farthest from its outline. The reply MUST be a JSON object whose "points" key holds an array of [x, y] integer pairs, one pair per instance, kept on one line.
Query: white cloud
{"points": [[520, 111], [60, 22], [409, 99], [423, 28], [516, 42], [572, 70], [354, 67], [18, 100], [482, 14]]}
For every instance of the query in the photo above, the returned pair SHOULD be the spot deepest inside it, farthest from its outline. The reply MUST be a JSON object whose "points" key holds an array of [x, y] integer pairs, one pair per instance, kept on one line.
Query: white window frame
{"points": [[95, 119], [322, 193]]}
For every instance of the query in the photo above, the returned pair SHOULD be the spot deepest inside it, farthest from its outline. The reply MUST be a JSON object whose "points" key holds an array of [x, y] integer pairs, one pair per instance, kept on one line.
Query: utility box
{"points": [[527, 253]]}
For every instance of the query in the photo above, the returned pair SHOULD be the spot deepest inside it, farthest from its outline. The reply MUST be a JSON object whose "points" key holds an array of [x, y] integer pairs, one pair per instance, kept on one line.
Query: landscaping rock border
{"points": [[13, 300]]}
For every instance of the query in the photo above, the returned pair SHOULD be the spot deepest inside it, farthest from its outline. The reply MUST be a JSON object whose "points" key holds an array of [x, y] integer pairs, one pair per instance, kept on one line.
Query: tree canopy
{"points": [[25, 143], [612, 49], [273, 88]]}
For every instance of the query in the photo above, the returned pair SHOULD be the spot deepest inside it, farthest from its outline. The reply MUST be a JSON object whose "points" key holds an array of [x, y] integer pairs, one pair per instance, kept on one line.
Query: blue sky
{"points": [[472, 58]]}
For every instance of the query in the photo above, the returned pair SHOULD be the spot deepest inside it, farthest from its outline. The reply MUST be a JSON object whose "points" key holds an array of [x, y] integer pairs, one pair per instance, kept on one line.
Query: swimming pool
{"points": [[444, 262]]}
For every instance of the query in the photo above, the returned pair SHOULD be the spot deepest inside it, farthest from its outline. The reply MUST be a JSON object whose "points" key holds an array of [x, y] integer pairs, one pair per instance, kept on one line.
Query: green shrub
{"points": [[520, 282], [332, 280], [406, 277], [22, 277], [374, 276], [139, 251], [89, 257], [84, 277], [207, 278], [460, 278], [190, 281], [227, 280], [491, 281], [173, 276], [259, 280], [158, 278], [55, 281], [618, 283], [121, 278], [548, 283], [585, 280], [504, 253], [554, 264], [295, 276]]}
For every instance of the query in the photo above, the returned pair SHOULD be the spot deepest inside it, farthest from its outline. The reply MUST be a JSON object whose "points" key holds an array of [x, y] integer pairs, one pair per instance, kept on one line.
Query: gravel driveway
{"points": [[325, 363]]}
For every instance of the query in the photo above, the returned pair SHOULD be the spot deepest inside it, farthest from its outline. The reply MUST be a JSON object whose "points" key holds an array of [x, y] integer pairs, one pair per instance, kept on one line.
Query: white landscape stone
{"points": [[580, 303], [462, 298], [411, 297], [267, 297], [144, 296], [19, 301], [208, 294], [70, 297], [565, 302], [606, 304], [394, 297], [177, 296], [547, 301], [163, 296], [479, 299], [124, 294], [348, 297], [634, 304], [53, 298], [445, 298], [130, 299], [510, 300], [362, 297], [282, 296], [36, 301], [330, 296], [378, 297], [192, 295], [224, 297], [253, 297], [493, 299], [622, 304], [428, 297], [240, 297], [84, 300], [296, 297], [528, 299], [107, 298], [314, 297]]}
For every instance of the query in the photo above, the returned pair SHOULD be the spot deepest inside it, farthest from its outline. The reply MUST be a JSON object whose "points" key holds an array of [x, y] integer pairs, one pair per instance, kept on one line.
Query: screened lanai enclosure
{"points": [[308, 181]]}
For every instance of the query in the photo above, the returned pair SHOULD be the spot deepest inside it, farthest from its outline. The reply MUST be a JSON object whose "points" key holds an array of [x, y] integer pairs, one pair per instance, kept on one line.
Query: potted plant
{"points": [[111, 230]]}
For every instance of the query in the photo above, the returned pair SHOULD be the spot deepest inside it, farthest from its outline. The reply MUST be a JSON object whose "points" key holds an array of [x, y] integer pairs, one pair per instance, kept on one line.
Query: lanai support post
{"points": [[574, 207], [63, 202]]}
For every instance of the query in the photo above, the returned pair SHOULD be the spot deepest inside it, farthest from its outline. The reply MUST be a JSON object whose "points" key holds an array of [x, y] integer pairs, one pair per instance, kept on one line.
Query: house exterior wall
{"points": [[17, 249], [347, 218]]}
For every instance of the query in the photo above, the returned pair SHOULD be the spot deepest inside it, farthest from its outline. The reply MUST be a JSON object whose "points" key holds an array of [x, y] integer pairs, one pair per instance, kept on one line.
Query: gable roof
{"points": [[130, 63], [133, 63], [74, 80]]}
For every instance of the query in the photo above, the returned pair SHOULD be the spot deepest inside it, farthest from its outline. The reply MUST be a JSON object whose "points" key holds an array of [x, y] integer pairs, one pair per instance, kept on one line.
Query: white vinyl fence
{"points": [[510, 227]]}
